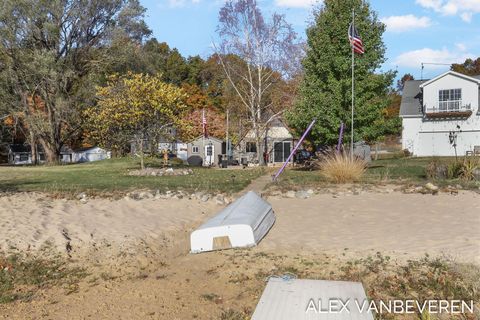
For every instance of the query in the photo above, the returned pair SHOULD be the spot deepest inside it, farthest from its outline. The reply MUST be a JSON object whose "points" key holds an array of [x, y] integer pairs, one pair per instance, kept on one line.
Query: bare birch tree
{"points": [[267, 51]]}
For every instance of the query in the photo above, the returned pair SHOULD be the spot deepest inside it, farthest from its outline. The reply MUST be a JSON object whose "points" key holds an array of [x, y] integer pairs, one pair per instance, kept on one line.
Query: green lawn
{"points": [[393, 170], [110, 176]]}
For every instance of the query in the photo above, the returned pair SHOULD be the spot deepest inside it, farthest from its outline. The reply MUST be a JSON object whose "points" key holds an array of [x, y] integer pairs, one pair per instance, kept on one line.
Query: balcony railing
{"points": [[449, 109]]}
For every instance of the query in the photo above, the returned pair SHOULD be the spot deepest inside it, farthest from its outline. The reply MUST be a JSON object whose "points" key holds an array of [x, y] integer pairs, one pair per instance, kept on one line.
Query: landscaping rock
{"points": [[430, 186], [145, 195], [81, 196], [290, 194], [220, 200], [159, 172], [205, 198], [302, 194]]}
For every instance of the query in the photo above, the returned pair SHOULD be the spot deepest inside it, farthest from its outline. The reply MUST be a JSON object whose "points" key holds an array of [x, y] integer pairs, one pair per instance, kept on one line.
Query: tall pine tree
{"points": [[325, 93]]}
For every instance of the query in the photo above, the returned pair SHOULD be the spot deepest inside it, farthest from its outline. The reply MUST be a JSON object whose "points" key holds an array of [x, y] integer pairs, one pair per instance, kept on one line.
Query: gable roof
{"points": [[207, 138], [453, 73], [411, 105], [20, 148]]}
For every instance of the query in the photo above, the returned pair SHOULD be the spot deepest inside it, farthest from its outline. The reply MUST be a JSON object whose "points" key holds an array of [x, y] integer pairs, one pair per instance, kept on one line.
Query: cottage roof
{"points": [[275, 131], [20, 148], [206, 139], [412, 99]]}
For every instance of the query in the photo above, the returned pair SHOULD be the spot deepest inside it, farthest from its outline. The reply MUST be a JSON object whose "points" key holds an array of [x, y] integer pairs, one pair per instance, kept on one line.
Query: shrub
{"points": [[342, 168], [470, 164], [454, 170], [436, 170]]}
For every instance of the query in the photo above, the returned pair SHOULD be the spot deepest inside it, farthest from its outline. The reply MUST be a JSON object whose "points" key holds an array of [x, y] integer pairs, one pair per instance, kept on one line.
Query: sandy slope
{"points": [[394, 223], [154, 277], [27, 221]]}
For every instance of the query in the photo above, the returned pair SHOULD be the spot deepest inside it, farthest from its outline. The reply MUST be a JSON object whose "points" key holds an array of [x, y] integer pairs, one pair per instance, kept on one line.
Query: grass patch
{"points": [[111, 176], [384, 279], [22, 276], [391, 170]]}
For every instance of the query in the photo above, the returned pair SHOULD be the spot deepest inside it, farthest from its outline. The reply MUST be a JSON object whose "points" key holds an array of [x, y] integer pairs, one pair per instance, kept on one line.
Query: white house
{"points": [[278, 142], [441, 113], [20, 154]]}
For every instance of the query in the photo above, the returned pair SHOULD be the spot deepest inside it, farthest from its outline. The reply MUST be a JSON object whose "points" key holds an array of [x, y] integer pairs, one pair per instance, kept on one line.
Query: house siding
{"points": [[430, 137], [201, 143]]}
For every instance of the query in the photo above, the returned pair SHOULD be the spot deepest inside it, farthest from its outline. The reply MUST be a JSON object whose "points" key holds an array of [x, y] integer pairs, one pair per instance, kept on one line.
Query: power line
{"points": [[435, 64]]}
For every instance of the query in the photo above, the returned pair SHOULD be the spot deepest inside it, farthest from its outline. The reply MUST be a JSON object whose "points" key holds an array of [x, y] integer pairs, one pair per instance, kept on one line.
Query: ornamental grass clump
{"points": [[342, 168]]}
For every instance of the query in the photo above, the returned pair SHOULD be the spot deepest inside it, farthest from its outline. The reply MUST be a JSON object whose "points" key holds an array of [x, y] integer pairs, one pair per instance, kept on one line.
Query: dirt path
{"points": [[258, 185]]}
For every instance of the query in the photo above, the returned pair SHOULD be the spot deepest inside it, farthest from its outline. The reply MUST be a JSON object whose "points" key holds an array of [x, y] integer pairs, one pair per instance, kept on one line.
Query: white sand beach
{"points": [[403, 225]]}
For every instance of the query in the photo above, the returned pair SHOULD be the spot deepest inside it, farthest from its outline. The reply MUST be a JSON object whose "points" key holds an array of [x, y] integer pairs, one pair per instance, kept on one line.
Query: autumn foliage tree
{"points": [[470, 67], [134, 107], [55, 50], [199, 102]]}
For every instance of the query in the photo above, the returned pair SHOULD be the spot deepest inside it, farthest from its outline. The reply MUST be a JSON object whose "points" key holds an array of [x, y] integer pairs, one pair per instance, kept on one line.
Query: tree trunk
{"points": [[52, 152], [259, 145], [140, 145], [33, 148]]}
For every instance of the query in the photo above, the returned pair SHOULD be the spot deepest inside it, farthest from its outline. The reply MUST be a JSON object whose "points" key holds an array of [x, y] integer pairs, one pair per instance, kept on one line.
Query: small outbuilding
{"points": [[21, 154], [90, 154], [244, 223], [208, 149]]}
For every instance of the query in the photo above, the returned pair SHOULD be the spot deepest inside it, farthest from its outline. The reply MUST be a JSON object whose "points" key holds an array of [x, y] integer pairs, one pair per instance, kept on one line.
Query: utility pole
{"points": [[227, 137]]}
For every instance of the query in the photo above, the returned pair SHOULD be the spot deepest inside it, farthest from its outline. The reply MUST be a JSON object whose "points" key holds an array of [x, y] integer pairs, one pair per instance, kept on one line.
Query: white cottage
{"points": [[277, 139], [441, 116]]}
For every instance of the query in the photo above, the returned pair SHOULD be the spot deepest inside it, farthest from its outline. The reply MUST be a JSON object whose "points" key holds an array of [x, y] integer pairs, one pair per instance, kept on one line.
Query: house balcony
{"points": [[448, 110]]}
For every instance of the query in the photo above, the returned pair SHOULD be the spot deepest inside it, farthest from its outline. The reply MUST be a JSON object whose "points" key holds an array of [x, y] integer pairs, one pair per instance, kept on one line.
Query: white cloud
{"points": [[461, 46], [406, 23], [414, 59], [180, 3], [296, 3], [464, 8]]}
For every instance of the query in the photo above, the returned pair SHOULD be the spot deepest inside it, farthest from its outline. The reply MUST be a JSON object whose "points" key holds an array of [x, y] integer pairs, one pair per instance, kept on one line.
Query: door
{"points": [[209, 155], [281, 151]]}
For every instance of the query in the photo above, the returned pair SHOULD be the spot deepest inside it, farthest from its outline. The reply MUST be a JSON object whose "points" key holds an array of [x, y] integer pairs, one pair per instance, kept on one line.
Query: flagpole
{"points": [[353, 86], [203, 137]]}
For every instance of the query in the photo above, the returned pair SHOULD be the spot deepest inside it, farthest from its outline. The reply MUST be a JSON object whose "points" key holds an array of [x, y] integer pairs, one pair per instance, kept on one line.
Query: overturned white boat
{"points": [[242, 224]]}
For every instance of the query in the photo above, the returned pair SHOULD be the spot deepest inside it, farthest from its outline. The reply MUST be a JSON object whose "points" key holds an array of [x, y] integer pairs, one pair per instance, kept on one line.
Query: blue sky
{"points": [[436, 31]]}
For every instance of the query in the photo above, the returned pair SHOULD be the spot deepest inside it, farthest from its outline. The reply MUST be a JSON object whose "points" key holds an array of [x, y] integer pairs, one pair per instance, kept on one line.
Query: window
{"points": [[449, 100], [251, 147], [23, 157], [194, 149]]}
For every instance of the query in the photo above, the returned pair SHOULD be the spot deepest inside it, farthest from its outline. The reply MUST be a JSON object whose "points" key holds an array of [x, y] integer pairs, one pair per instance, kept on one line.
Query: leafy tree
{"points": [[255, 53], [401, 83], [470, 67], [169, 63], [53, 51], [325, 93], [134, 107], [198, 102]]}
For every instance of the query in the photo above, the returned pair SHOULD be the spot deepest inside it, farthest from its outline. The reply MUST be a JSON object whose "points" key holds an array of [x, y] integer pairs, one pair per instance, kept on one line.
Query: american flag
{"points": [[355, 40], [204, 123]]}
